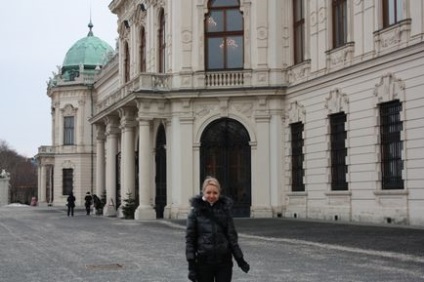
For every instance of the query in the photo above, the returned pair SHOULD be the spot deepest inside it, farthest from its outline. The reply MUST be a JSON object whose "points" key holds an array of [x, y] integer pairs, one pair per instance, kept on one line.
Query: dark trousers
{"points": [[88, 209], [215, 272], [70, 211]]}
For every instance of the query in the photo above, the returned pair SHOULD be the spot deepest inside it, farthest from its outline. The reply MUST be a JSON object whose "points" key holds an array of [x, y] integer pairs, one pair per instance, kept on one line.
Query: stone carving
{"points": [[202, 110], [69, 110], [296, 113], [262, 33], [389, 88], [186, 36], [336, 102], [244, 108]]}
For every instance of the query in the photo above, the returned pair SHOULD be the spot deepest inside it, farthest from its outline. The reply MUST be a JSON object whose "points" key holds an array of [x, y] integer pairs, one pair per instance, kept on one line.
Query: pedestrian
{"points": [[211, 237], [88, 199], [71, 204]]}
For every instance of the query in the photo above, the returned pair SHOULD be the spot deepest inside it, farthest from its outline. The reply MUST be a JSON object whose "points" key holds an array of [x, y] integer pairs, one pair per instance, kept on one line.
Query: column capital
{"points": [[101, 130], [112, 125], [144, 120]]}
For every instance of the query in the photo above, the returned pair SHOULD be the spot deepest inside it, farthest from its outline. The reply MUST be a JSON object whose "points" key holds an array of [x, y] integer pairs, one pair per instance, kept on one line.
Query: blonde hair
{"points": [[209, 180]]}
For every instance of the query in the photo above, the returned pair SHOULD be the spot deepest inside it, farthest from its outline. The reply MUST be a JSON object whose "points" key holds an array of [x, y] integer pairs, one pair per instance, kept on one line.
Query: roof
{"points": [[90, 52]]}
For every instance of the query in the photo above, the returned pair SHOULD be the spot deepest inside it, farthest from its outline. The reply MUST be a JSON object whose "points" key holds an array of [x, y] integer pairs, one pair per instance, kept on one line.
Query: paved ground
{"points": [[43, 244]]}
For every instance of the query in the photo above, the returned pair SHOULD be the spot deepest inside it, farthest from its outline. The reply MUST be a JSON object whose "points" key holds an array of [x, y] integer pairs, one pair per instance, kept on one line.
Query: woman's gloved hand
{"points": [[243, 265], [192, 271]]}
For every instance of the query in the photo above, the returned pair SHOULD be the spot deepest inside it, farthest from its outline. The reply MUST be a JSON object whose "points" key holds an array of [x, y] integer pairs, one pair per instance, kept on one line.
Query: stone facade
{"points": [[133, 100]]}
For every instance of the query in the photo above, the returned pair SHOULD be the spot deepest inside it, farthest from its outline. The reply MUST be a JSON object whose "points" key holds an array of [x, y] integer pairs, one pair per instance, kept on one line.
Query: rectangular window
{"points": [[339, 23], [224, 36], [338, 152], [297, 156], [392, 12], [162, 40], [391, 145], [68, 132], [68, 181], [142, 50], [298, 31]]}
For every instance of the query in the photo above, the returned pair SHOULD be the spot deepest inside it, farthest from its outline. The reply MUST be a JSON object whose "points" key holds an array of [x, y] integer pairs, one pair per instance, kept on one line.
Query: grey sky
{"points": [[35, 36]]}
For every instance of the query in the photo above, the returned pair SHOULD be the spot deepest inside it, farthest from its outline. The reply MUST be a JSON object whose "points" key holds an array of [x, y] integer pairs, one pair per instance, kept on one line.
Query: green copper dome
{"points": [[90, 52]]}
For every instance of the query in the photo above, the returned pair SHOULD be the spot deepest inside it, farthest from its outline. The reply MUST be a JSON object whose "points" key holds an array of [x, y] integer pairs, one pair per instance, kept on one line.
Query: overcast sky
{"points": [[35, 36]]}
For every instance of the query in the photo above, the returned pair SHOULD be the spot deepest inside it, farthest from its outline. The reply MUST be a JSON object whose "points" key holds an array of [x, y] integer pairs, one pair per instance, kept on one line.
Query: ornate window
{"points": [[297, 157], [68, 130], [392, 12], [338, 152], [68, 181], [339, 23], [161, 40], [224, 35], [391, 145], [298, 31], [142, 49]]}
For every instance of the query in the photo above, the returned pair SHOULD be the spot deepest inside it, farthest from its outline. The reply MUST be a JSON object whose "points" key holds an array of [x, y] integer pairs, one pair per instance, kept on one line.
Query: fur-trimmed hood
{"points": [[223, 202]]}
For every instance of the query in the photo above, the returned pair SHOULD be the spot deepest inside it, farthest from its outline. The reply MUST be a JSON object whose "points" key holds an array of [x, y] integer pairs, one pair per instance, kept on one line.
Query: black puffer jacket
{"points": [[210, 235]]}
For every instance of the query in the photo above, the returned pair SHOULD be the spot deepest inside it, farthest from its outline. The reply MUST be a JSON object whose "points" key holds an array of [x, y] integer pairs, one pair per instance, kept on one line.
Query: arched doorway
{"points": [[160, 178], [225, 154]]}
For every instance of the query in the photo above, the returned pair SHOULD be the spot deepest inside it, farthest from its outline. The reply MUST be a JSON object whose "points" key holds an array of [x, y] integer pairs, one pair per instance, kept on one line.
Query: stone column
{"points": [[145, 209], [112, 132], [127, 153], [100, 160], [43, 183]]}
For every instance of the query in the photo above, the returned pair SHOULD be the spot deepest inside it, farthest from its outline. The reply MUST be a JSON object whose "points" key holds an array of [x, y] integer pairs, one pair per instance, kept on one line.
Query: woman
{"points": [[211, 237]]}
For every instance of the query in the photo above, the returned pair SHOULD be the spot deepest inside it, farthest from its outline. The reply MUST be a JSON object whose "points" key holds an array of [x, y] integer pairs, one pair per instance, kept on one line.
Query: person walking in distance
{"points": [[71, 204], [211, 237], [88, 199]]}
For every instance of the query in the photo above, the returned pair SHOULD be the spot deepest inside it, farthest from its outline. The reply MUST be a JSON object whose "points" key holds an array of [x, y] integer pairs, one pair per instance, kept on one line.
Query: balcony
{"points": [[46, 150]]}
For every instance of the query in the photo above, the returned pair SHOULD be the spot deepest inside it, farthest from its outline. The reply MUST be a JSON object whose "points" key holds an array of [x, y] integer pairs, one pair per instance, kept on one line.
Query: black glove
{"points": [[192, 272], [243, 265]]}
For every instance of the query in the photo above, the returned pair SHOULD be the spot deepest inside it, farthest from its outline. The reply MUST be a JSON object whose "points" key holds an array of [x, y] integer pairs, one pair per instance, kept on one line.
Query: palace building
{"points": [[308, 109]]}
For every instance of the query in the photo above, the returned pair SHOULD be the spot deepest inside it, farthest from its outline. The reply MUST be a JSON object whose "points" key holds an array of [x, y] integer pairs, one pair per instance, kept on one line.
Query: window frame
{"points": [[161, 42], [225, 35], [339, 21], [388, 7], [126, 62], [298, 25], [297, 157], [68, 130], [391, 145], [338, 135], [67, 181], [142, 50]]}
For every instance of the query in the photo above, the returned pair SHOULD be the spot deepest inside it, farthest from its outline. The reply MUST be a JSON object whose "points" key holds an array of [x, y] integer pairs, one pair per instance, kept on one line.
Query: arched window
{"points": [[161, 40], [127, 63], [142, 50], [224, 35]]}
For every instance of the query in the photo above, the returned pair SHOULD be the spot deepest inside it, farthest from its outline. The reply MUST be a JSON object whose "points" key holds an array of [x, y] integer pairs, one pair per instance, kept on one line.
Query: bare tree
{"points": [[23, 173]]}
